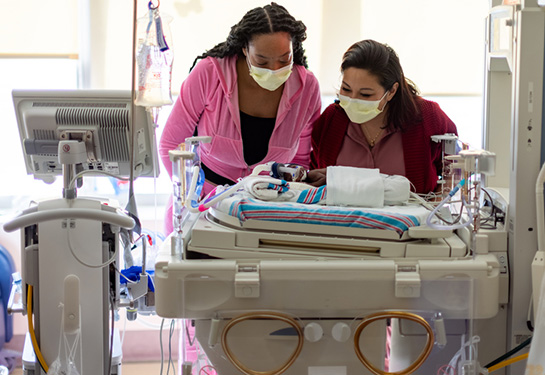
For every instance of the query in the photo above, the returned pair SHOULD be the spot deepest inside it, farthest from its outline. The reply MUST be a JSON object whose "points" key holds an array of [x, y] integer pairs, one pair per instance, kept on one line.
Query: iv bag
{"points": [[154, 60]]}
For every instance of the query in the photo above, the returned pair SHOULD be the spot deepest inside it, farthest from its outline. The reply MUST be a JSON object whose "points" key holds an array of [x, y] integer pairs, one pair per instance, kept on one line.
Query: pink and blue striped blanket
{"points": [[392, 218]]}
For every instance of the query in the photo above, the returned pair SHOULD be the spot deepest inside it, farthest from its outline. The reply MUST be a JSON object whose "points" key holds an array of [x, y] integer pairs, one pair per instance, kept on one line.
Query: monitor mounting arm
{"points": [[71, 154]]}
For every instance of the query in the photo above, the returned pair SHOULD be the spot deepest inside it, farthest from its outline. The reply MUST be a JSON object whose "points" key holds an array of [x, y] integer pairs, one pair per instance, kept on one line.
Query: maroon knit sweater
{"points": [[422, 156]]}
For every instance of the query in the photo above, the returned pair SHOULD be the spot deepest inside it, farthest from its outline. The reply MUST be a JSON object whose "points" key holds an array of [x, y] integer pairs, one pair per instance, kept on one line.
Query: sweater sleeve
{"points": [[302, 156], [185, 112], [317, 131], [327, 136]]}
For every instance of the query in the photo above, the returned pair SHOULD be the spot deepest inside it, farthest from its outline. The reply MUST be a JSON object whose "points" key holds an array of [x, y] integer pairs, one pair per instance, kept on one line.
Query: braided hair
{"points": [[269, 19], [382, 61]]}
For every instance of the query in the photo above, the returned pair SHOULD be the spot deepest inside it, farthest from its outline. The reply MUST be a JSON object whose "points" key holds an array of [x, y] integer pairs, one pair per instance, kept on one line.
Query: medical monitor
{"points": [[99, 118]]}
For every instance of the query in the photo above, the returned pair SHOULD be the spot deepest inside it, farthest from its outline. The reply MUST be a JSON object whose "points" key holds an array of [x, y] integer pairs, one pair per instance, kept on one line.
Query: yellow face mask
{"points": [[360, 111], [270, 79]]}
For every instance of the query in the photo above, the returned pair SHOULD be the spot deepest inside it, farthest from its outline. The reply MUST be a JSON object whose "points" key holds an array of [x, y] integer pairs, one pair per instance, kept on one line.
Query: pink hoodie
{"points": [[209, 98]]}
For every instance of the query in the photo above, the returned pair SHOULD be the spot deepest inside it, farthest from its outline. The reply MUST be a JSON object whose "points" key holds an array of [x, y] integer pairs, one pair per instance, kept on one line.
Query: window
{"points": [[25, 73], [440, 44]]}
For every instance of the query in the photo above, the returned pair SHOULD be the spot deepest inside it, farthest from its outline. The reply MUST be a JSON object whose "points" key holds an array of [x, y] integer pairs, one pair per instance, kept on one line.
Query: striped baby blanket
{"points": [[394, 218]]}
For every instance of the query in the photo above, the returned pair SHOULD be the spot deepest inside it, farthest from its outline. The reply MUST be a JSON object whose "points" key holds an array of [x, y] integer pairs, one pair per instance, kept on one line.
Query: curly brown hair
{"points": [[269, 19]]}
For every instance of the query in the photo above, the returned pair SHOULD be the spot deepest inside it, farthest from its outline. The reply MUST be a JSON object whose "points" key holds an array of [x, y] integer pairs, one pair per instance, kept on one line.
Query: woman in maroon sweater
{"points": [[379, 121]]}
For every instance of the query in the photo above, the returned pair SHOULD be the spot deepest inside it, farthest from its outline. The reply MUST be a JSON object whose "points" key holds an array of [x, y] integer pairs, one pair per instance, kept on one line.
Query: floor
{"points": [[134, 368]]}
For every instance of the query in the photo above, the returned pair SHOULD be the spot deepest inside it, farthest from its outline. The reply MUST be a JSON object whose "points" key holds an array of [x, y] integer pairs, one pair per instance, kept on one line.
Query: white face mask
{"points": [[360, 111], [270, 79]]}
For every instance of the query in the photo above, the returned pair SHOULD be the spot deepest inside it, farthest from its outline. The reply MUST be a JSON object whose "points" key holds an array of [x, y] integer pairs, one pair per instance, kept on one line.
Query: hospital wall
{"points": [[440, 44]]}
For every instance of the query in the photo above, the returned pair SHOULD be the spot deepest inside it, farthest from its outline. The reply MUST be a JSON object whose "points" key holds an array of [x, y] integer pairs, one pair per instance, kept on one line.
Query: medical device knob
{"points": [[313, 332], [132, 314], [341, 332]]}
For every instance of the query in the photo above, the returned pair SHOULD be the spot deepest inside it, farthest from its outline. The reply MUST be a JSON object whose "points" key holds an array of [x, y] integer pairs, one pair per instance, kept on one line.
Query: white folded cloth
{"points": [[268, 188], [264, 187], [349, 186], [346, 186], [397, 189]]}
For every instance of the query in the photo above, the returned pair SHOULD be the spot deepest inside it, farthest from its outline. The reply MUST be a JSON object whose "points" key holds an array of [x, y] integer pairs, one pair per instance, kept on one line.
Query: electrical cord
{"points": [[140, 319], [508, 354], [528, 317], [170, 334], [419, 199], [508, 362], [491, 216], [111, 354], [423, 200], [129, 281], [108, 262], [31, 331], [161, 345], [389, 315], [268, 315], [432, 225], [96, 173], [189, 339]]}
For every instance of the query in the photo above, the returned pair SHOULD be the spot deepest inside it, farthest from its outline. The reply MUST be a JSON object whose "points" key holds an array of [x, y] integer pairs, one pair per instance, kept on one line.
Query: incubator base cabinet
{"points": [[297, 298]]}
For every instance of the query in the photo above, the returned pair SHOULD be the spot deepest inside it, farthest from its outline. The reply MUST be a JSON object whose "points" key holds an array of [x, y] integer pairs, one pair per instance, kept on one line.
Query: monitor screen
{"points": [[99, 118]]}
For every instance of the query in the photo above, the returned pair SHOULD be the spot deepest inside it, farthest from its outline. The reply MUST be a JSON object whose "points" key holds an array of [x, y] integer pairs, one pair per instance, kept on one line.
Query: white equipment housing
{"points": [[54, 233], [70, 246], [514, 122], [326, 276]]}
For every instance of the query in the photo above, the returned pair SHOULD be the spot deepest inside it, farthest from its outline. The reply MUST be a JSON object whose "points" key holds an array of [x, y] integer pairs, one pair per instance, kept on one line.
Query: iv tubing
{"points": [[441, 204], [540, 209], [31, 330], [210, 201], [108, 262]]}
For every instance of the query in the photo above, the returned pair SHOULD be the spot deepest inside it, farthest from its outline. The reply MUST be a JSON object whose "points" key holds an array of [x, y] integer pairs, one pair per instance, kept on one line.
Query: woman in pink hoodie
{"points": [[253, 95]]}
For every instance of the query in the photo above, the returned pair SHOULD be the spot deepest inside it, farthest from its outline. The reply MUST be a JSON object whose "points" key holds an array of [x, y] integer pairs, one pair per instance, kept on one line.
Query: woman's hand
{"points": [[316, 177]]}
